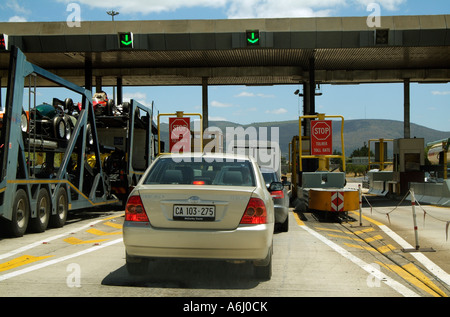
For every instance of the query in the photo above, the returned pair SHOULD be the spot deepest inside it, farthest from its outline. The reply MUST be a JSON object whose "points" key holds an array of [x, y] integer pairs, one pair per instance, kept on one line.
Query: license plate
{"points": [[194, 212]]}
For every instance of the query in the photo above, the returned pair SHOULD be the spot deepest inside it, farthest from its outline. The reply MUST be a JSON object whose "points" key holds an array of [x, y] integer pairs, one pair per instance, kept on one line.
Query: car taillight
{"points": [[134, 210], [277, 194], [255, 213]]}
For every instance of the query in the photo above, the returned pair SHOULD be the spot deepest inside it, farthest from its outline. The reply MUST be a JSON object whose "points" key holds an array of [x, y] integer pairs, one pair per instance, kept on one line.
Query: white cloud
{"points": [[212, 118], [245, 94], [16, 7], [217, 104], [17, 18], [440, 93], [238, 8], [277, 111], [145, 6], [391, 5], [138, 96], [250, 94], [281, 8]]}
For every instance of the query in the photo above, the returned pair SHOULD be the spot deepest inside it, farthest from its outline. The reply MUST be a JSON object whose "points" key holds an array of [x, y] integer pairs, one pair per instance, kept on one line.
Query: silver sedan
{"points": [[193, 206]]}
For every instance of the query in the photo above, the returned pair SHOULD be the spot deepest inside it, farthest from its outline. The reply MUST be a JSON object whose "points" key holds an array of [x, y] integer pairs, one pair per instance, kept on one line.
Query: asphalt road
{"points": [[86, 258]]}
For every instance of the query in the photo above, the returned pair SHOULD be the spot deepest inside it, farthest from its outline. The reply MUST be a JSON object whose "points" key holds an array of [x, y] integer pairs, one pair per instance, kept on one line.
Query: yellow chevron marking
{"points": [[102, 233], [23, 260], [73, 240]]}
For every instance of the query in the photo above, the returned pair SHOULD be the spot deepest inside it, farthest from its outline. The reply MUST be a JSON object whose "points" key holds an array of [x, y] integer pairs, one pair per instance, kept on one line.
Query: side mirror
{"points": [[275, 186]]}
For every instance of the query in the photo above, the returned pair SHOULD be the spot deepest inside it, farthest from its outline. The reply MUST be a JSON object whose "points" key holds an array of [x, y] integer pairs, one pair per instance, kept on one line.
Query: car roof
{"points": [[209, 155]]}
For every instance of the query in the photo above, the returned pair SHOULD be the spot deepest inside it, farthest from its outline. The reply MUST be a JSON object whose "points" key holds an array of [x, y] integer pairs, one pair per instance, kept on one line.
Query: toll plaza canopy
{"points": [[341, 50]]}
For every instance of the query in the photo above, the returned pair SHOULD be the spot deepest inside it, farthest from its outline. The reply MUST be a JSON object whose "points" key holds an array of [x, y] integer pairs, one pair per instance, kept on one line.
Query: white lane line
{"points": [[35, 244], [54, 261], [431, 266], [403, 290]]}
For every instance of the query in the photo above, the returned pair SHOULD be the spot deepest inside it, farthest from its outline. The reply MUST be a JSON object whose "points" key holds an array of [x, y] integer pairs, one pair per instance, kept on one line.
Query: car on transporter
{"points": [[200, 206]]}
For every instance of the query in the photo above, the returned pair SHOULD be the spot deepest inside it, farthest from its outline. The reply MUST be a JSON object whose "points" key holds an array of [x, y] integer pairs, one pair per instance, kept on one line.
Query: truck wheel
{"points": [[43, 210], [59, 219], [60, 127], [20, 214]]}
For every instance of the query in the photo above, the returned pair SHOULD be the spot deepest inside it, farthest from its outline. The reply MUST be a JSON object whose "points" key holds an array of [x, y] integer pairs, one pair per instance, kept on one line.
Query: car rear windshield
{"points": [[233, 173]]}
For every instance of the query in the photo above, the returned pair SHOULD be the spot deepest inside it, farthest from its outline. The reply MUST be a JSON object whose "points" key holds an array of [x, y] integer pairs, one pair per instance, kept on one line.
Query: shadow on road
{"points": [[187, 274]]}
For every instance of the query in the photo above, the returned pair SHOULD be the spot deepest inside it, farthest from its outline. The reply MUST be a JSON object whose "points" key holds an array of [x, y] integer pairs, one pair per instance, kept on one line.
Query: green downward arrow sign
{"points": [[253, 40], [127, 40]]}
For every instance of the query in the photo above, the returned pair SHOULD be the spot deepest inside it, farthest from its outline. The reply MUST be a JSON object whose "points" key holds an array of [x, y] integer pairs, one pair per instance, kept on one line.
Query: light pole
{"points": [[112, 13]]}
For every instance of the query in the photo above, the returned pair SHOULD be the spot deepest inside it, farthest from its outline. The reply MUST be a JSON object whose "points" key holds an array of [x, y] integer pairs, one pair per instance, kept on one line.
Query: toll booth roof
{"points": [[345, 50]]}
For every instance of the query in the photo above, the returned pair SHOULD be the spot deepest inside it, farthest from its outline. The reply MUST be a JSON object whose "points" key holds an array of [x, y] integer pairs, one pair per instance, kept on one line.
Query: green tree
{"points": [[362, 152]]}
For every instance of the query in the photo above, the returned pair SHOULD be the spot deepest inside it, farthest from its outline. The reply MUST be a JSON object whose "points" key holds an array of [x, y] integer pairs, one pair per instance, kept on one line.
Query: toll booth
{"points": [[409, 157]]}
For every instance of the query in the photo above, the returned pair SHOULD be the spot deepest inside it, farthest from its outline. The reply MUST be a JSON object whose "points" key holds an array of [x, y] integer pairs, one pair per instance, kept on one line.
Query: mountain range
{"points": [[357, 133]]}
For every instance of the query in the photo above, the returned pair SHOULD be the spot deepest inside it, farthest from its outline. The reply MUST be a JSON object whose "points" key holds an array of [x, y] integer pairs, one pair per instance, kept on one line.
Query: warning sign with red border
{"points": [[321, 137], [180, 135]]}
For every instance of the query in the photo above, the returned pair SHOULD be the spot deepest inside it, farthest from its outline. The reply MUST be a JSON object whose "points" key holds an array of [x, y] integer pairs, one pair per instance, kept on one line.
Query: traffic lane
{"points": [[431, 225], [302, 266]]}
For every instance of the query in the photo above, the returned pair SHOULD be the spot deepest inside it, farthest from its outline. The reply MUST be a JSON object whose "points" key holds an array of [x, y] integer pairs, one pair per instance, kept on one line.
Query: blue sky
{"points": [[430, 103]]}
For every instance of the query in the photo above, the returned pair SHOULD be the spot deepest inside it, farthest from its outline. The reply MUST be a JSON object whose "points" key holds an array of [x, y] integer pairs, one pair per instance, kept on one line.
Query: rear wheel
{"points": [[136, 266], [263, 270], [43, 210], [59, 219], [284, 227], [17, 226]]}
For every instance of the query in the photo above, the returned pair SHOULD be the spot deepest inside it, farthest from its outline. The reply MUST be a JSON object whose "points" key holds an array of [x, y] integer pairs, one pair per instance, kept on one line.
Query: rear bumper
{"points": [[247, 242]]}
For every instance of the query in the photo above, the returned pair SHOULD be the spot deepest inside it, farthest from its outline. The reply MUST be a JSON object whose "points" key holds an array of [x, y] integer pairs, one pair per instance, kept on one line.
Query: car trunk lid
{"points": [[196, 207]]}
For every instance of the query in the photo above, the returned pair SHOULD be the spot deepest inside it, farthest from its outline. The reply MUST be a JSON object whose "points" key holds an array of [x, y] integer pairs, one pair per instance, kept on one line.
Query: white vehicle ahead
{"points": [[194, 206]]}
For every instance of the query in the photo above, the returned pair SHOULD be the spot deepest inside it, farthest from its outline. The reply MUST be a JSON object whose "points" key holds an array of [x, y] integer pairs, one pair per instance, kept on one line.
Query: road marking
{"points": [[46, 240], [23, 260], [73, 240], [412, 274], [382, 249], [363, 231], [297, 218], [54, 261], [432, 267], [333, 230], [367, 240], [345, 237], [401, 289], [102, 233], [114, 225]]}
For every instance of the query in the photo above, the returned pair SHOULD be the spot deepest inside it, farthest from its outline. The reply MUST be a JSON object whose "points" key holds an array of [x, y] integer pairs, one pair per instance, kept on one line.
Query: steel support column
{"points": [[119, 100], [205, 102], [88, 74], [312, 86], [406, 109], [306, 108], [98, 83]]}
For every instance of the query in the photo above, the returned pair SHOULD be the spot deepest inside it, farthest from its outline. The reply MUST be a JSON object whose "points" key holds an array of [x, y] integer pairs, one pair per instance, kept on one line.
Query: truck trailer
{"points": [[55, 158]]}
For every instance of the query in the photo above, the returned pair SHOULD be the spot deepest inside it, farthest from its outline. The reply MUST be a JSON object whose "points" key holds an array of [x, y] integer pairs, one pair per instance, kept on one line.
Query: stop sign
{"points": [[180, 135], [321, 137]]}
